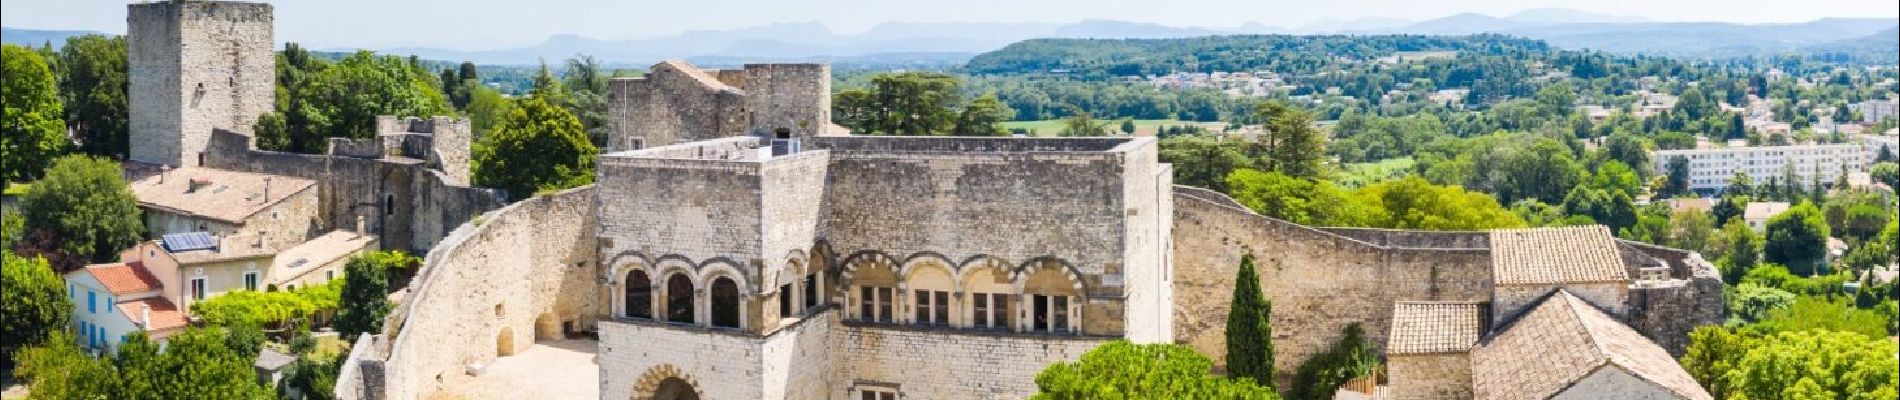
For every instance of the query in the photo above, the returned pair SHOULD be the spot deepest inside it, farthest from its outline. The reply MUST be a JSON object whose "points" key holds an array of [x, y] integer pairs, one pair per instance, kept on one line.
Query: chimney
{"points": [[197, 182], [260, 239], [266, 189], [361, 229], [163, 170], [145, 316]]}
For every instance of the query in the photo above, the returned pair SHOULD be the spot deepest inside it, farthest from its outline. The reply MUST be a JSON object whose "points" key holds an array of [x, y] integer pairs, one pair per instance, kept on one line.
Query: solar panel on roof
{"points": [[177, 242]]}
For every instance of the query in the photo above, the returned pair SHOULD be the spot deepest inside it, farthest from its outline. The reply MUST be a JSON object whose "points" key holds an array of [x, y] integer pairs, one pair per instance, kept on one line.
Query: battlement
{"points": [[676, 103]]}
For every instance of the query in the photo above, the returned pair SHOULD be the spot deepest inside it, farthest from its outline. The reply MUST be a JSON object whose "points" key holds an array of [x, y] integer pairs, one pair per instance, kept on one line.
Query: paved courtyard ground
{"points": [[549, 370]]}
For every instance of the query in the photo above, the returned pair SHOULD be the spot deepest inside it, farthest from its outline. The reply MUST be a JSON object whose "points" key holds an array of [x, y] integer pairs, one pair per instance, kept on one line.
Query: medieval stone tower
{"points": [[196, 66]]}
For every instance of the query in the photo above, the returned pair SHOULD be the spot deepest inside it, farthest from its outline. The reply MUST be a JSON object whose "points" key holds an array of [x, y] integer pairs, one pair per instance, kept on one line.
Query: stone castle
{"points": [[737, 245]]}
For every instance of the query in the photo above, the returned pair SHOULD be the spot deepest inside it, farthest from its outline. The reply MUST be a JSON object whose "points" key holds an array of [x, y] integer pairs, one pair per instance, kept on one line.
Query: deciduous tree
{"points": [[1797, 238], [32, 128], [538, 147], [82, 211], [93, 88], [33, 304]]}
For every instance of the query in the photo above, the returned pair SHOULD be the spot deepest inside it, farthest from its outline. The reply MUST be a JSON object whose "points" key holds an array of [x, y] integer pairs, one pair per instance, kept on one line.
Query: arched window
{"points": [[811, 290], [725, 303], [679, 299], [639, 302]]}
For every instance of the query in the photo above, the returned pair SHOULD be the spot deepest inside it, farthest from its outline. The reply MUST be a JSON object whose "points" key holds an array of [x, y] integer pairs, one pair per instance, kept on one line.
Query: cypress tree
{"points": [[1249, 332]]}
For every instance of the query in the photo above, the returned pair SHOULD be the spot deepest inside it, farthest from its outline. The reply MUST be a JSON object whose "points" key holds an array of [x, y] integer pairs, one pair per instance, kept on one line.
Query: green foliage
{"points": [[34, 304], [538, 147], [908, 103], [1611, 208], [1629, 149], [1250, 328], [1814, 364], [1776, 276], [1290, 145], [1691, 229], [32, 128], [1369, 138], [365, 297], [1809, 313], [1122, 370], [319, 101], [1856, 215], [486, 109], [1203, 161], [252, 308], [195, 364], [82, 211], [93, 87], [1752, 302], [1513, 167], [1413, 203], [1296, 200], [1678, 183], [1886, 172], [1741, 249], [1351, 357], [984, 116], [1797, 238], [1409, 203], [1081, 124]]}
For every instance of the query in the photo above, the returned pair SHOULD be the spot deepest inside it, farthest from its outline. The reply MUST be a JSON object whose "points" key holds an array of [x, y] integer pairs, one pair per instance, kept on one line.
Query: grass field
{"points": [[1361, 174], [1053, 127]]}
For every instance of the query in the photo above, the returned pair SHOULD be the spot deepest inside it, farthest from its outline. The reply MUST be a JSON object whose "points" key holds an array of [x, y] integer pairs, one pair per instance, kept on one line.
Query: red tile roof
{"points": [[123, 278], [165, 316]]}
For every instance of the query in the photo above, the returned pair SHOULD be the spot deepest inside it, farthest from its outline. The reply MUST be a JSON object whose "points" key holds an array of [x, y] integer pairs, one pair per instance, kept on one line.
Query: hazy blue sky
{"points": [[481, 24]]}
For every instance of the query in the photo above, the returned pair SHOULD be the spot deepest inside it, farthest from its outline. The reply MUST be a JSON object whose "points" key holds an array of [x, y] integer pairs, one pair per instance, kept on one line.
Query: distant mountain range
{"points": [[937, 43]]}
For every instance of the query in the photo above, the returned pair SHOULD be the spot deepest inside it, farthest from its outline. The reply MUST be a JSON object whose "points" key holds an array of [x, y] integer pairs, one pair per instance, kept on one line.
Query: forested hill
{"points": [[1102, 58]]}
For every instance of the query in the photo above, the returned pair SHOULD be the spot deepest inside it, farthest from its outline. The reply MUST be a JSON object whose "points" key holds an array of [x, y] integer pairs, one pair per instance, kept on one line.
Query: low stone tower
{"points": [[195, 66]]}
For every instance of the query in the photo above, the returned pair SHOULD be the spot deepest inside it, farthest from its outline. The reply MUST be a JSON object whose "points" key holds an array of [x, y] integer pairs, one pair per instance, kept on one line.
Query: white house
{"points": [[113, 300]]}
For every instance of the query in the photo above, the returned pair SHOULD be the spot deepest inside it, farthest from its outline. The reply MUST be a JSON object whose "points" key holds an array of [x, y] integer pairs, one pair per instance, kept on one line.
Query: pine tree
{"points": [[1249, 332]]}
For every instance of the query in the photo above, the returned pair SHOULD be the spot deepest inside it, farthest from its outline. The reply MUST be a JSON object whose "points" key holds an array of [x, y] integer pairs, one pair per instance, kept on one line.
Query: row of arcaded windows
{"points": [[975, 310], [678, 299]]}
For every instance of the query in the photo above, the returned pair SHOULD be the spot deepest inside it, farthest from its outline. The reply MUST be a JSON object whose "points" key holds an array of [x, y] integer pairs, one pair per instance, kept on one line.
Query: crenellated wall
{"points": [[1317, 281]]}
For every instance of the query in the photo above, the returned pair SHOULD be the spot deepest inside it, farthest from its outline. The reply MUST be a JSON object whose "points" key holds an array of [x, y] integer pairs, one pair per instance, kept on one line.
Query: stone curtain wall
{"points": [[1318, 281], [196, 66], [1443, 376], [792, 192], [928, 363], [699, 209], [523, 269], [426, 206], [1421, 239]]}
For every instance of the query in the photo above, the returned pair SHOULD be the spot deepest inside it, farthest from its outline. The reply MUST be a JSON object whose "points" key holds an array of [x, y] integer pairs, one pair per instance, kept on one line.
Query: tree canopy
{"points": [[33, 126], [538, 147], [81, 212], [34, 305], [1123, 370], [1797, 238], [319, 100], [93, 87], [1250, 327]]}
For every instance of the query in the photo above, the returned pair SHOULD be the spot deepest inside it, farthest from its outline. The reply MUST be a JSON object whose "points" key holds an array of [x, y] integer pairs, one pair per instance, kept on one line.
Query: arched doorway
{"points": [[675, 389], [505, 342], [639, 295], [679, 299], [725, 303], [546, 327]]}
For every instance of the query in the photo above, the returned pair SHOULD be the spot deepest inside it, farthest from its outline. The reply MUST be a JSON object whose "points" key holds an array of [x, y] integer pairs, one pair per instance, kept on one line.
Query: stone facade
{"points": [[714, 262], [1440, 376], [403, 201], [195, 66], [677, 103], [521, 273]]}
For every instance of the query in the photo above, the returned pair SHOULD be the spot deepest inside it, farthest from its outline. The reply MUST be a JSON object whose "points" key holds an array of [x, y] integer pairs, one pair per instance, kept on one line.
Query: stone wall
{"points": [[1510, 301], [795, 98], [195, 66], [673, 103], [1441, 376], [1317, 281], [1666, 310], [409, 206], [926, 363], [521, 273], [792, 363]]}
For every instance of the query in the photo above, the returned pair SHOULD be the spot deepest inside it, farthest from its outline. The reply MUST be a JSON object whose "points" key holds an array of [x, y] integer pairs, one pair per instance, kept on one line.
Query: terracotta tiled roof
{"points": [[228, 196], [1555, 255], [123, 278], [1422, 327], [304, 258], [165, 316], [1562, 341]]}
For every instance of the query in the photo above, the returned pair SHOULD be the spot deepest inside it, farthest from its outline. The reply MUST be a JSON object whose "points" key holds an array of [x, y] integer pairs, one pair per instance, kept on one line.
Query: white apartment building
{"points": [[1710, 169], [1872, 111]]}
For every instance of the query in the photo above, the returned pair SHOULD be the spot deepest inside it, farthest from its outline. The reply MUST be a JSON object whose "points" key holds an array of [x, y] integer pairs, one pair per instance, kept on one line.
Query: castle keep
{"points": [[737, 245]]}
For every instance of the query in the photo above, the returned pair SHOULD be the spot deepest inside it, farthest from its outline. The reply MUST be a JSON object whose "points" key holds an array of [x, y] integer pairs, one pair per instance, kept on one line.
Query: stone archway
{"points": [[546, 327], [666, 382], [505, 342]]}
